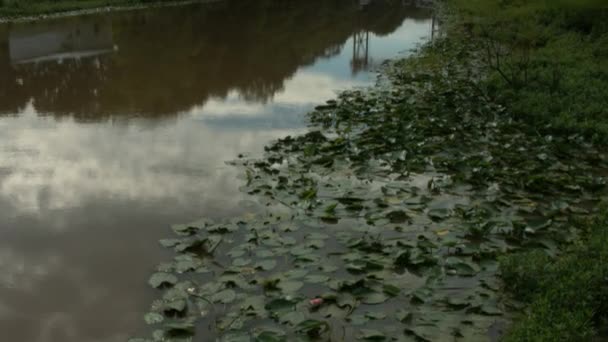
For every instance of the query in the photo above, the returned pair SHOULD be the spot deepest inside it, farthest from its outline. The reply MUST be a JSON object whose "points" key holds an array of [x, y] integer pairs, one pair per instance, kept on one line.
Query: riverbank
{"points": [[392, 216], [567, 296], [27, 10], [546, 60], [547, 63]]}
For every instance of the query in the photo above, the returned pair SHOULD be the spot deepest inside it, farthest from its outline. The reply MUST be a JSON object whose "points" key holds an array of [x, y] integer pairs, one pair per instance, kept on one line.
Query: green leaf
{"points": [[357, 320], [185, 229], [333, 311], [266, 265], [403, 316], [330, 209], [176, 329], [461, 267], [374, 298], [421, 296], [372, 335], [270, 336], [490, 310], [295, 273], [439, 214], [187, 263], [240, 262], [375, 315], [293, 318], [397, 216], [391, 290], [316, 278], [153, 318], [236, 337], [290, 286], [225, 297], [312, 327], [254, 306], [458, 303], [317, 236], [316, 244], [426, 333], [161, 279], [169, 243], [179, 305], [308, 194], [280, 304]]}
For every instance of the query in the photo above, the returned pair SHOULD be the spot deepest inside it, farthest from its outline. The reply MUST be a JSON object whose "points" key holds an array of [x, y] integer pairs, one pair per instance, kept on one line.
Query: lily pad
{"points": [[374, 298], [375, 315], [293, 318], [312, 327], [397, 216], [270, 336], [154, 318], [439, 214], [290, 286], [179, 329], [161, 279], [225, 297], [372, 335], [266, 265]]}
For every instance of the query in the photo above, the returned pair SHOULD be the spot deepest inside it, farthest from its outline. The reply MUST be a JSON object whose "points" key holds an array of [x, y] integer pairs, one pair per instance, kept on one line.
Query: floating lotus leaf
{"points": [[225, 297], [161, 279], [372, 335], [270, 336]]}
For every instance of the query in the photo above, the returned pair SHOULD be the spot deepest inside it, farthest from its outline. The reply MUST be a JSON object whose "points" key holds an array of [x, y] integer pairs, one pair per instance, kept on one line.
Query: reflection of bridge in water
{"points": [[361, 38]]}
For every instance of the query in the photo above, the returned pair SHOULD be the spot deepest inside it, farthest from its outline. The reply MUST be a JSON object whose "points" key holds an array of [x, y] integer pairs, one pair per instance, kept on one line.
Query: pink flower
{"points": [[316, 301]]}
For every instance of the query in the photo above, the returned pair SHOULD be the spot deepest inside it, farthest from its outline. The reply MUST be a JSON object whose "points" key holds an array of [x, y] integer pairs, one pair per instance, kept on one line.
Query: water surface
{"points": [[116, 125]]}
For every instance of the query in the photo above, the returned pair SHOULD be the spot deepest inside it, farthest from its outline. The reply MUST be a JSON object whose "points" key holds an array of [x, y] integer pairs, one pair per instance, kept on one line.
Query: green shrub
{"points": [[545, 59], [522, 273], [568, 297]]}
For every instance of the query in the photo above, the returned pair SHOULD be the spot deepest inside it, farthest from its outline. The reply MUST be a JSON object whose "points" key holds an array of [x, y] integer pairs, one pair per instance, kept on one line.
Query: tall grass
{"points": [[568, 296], [546, 59]]}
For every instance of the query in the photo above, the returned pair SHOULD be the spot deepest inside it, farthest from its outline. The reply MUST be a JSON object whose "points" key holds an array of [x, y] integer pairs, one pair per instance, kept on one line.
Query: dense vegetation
{"points": [[16, 8], [569, 295], [547, 61]]}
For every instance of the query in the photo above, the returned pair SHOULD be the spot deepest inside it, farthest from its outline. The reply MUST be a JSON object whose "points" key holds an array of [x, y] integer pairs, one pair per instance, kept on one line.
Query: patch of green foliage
{"points": [[568, 296], [545, 59], [546, 62], [18, 8]]}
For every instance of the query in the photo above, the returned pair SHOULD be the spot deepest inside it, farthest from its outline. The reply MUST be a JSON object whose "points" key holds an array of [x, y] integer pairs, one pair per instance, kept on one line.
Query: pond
{"points": [[116, 125]]}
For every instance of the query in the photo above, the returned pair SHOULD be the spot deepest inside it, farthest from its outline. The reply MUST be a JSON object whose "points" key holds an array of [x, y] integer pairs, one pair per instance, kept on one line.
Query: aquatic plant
{"points": [[385, 221]]}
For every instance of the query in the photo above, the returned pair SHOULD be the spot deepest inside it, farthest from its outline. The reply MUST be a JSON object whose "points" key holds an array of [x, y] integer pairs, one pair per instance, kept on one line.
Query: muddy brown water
{"points": [[115, 125]]}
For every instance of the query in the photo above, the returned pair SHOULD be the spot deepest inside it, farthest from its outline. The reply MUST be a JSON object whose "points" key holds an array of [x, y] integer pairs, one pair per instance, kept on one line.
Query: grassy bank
{"points": [[10, 9], [546, 61], [567, 296]]}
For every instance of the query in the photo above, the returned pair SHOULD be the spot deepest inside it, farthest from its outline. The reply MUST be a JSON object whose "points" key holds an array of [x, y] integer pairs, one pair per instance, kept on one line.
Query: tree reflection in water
{"points": [[168, 61]]}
